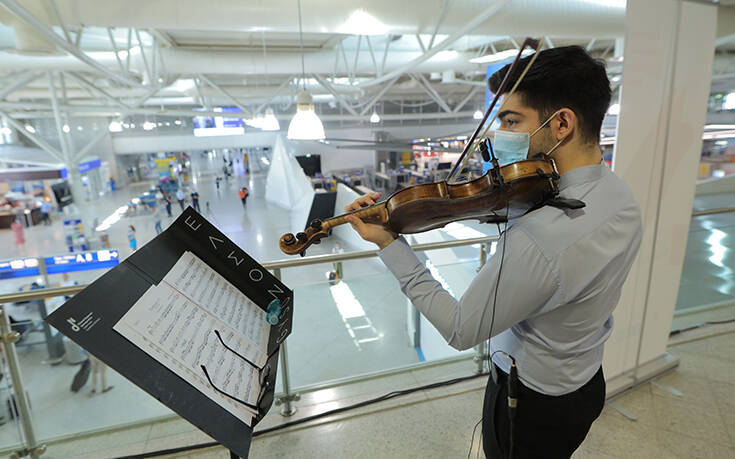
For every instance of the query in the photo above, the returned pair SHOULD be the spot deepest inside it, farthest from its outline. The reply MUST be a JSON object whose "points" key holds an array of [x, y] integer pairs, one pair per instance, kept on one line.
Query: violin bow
{"points": [[471, 145]]}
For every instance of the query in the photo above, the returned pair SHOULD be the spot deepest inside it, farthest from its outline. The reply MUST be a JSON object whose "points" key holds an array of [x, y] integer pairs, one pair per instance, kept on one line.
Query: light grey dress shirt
{"points": [[561, 278]]}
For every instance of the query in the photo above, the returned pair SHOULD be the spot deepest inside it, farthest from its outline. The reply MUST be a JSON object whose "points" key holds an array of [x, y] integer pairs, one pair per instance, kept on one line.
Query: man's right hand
{"points": [[370, 232]]}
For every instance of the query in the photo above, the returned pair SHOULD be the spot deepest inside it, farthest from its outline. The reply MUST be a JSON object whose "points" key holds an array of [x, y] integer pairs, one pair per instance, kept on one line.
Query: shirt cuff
{"points": [[399, 258]]}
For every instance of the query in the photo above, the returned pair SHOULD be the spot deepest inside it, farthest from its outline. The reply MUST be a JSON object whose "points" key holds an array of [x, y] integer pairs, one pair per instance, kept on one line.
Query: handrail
{"points": [[721, 210], [278, 264]]}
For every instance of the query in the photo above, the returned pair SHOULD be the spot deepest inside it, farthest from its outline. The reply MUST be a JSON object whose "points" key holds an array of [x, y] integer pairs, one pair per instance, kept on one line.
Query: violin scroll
{"points": [[313, 234]]}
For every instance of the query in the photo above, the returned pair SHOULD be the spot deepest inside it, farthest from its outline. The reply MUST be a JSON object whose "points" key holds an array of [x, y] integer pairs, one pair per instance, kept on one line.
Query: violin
{"points": [[500, 194]]}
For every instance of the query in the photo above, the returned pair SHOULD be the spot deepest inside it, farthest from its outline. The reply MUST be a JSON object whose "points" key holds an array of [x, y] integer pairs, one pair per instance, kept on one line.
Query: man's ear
{"points": [[564, 123]]}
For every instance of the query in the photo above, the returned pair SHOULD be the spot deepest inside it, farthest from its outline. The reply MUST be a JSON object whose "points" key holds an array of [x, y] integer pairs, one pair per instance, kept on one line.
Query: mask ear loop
{"points": [[548, 153]]}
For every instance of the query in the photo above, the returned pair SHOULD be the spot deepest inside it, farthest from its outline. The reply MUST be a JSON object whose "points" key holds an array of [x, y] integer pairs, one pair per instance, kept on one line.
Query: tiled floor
{"points": [[313, 358], [438, 423], [434, 423]]}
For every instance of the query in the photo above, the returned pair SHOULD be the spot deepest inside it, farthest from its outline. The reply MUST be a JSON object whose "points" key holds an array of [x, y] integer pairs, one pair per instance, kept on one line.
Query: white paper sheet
{"points": [[206, 287], [175, 322]]}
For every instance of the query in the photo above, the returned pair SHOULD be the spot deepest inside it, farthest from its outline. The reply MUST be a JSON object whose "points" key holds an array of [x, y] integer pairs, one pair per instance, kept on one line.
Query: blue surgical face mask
{"points": [[511, 147]]}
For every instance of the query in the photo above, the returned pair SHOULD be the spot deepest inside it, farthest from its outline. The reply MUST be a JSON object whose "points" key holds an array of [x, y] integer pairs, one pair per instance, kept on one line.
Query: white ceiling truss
{"points": [[137, 60]]}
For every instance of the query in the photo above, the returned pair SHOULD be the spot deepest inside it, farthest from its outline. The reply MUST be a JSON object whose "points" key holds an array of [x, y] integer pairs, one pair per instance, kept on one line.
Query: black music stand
{"points": [[89, 316]]}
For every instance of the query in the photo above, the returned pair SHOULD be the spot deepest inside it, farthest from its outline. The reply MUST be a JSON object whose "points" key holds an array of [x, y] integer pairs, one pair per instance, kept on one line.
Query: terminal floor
{"points": [[314, 357], [367, 337], [438, 423]]}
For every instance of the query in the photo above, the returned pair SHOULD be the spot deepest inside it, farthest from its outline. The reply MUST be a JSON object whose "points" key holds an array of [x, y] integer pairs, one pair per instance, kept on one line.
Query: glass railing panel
{"points": [[11, 433], [59, 378], [360, 324], [707, 286]]}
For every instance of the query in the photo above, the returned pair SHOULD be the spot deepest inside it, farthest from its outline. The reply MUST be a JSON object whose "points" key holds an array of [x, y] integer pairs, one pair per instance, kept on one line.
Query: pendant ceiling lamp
{"points": [[270, 122], [305, 125]]}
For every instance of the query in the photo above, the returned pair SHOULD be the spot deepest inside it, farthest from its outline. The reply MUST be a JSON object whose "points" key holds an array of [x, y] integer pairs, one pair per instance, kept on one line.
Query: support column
{"points": [[667, 70]]}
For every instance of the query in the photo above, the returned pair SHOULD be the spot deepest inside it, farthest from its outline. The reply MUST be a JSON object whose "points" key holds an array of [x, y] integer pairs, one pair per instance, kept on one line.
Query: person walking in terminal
{"points": [[546, 297], [131, 238], [157, 217], [195, 201], [243, 194], [46, 209], [167, 199], [181, 197]]}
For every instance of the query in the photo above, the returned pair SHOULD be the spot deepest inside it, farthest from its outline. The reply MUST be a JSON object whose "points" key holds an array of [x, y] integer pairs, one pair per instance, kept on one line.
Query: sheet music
{"points": [[206, 287], [174, 322]]}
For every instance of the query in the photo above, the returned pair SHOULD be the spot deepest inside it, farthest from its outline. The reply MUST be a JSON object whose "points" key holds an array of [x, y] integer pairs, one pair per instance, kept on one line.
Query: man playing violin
{"points": [[546, 297]]}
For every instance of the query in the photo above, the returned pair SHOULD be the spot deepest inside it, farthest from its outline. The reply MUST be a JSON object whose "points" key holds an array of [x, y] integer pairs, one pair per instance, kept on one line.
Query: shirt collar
{"points": [[581, 175]]}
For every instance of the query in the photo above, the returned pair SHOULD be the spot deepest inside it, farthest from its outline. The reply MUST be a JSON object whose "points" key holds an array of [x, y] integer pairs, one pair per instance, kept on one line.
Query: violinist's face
{"points": [[518, 117]]}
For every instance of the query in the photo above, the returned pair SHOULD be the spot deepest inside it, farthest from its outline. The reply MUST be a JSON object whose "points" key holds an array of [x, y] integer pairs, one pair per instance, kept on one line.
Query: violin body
{"points": [[507, 192], [433, 205]]}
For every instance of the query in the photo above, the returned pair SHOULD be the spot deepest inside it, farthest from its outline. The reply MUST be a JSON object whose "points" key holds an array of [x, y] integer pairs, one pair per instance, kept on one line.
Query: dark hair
{"points": [[132, 227], [563, 77]]}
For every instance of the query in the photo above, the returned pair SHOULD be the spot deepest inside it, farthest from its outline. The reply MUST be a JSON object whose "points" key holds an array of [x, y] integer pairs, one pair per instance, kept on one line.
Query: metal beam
{"points": [[80, 154], [548, 42], [78, 38], [43, 111], [141, 100], [14, 7], [336, 95], [423, 82], [590, 44], [164, 37], [275, 93], [344, 58], [130, 43], [377, 97], [357, 55], [372, 54], [57, 118], [89, 85], [421, 43], [467, 98], [237, 103], [385, 53], [202, 101], [114, 49], [142, 54], [154, 58], [30, 76], [55, 9], [442, 15], [471, 25], [32, 137]]}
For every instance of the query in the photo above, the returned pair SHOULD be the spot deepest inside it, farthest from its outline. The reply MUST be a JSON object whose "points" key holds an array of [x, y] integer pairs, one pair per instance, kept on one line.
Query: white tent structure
{"points": [[287, 185]]}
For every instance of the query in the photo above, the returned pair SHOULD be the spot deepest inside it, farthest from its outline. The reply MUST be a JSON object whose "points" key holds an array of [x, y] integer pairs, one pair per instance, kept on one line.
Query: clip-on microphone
{"points": [[488, 155]]}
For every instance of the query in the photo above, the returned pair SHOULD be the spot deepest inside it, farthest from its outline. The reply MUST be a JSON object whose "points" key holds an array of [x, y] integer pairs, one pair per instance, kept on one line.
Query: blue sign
{"points": [[84, 261], [23, 267], [89, 165], [210, 122]]}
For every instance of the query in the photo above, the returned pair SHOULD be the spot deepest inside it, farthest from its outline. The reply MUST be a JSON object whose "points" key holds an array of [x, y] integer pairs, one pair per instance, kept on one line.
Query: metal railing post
{"points": [[287, 398], [9, 338], [480, 350]]}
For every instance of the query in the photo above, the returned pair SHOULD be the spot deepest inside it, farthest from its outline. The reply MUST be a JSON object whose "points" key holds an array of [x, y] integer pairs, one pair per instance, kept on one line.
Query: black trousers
{"points": [[545, 426]]}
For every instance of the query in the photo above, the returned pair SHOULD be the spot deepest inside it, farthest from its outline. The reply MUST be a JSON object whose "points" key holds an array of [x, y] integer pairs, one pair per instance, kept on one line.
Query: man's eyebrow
{"points": [[505, 113]]}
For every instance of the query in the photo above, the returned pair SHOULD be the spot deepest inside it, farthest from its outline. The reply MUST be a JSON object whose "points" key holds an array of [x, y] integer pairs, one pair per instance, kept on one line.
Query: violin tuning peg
{"points": [[316, 224], [302, 237]]}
